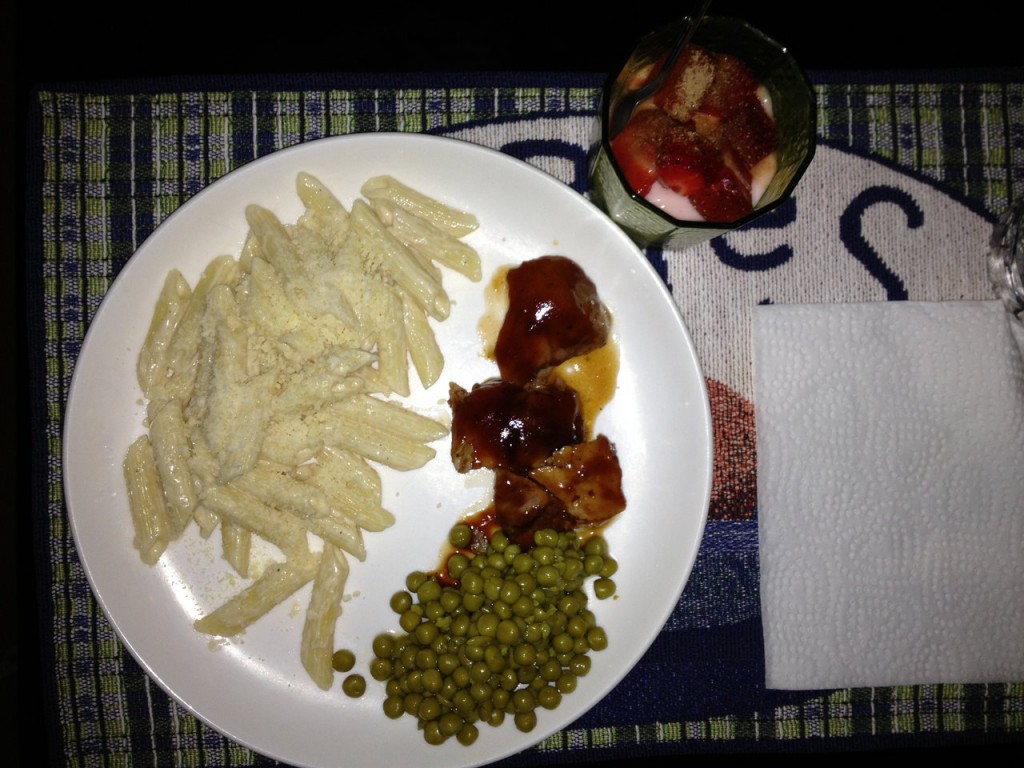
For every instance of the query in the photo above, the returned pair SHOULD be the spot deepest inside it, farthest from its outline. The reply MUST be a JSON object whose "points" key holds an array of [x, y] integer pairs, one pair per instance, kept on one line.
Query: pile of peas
{"points": [[508, 632]]}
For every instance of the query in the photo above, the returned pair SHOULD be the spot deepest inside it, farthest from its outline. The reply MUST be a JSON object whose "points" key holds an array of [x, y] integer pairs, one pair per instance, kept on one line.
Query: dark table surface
{"points": [[90, 43]]}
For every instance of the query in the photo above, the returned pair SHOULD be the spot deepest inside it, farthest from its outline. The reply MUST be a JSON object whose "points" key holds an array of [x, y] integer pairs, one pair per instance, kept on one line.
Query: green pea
{"points": [[580, 665], [562, 643], [544, 555], [460, 625], [510, 552], [510, 636], [604, 588], [429, 590], [493, 658], [495, 717], [383, 646], [432, 734], [381, 669], [450, 724], [409, 620], [426, 659], [447, 663], [551, 670], [593, 564], [509, 679], [450, 600], [510, 591], [425, 633], [463, 702], [545, 538], [429, 708], [487, 625], [596, 545], [566, 683], [500, 698], [433, 680], [524, 700], [526, 721], [480, 691], [354, 685], [414, 580], [460, 536], [473, 602], [343, 660], [547, 576], [597, 638], [549, 697], [401, 602], [472, 583], [576, 626], [499, 540], [411, 702], [393, 707]]}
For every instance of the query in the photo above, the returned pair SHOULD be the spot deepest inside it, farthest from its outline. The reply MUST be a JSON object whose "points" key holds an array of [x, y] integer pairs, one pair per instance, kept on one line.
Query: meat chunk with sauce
{"points": [[586, 478], [554, 313], [522, 507], [501, 425]]}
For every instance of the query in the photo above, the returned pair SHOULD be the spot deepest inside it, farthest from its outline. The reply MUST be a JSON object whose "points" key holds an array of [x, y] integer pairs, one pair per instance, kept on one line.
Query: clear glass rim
{"points": [[1008, 238]]}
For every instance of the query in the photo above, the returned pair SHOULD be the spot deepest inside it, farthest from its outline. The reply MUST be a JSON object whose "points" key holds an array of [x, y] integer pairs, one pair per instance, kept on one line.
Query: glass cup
{"points": [[1006, 259], [793, 107]]}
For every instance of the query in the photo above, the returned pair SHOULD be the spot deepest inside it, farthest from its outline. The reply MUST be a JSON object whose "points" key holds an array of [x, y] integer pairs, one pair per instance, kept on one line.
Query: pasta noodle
{"points": [[273, 391]]}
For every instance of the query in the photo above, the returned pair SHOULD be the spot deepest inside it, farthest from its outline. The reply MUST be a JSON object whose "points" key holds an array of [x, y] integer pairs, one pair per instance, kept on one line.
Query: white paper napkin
{"points": [[890, 441]]}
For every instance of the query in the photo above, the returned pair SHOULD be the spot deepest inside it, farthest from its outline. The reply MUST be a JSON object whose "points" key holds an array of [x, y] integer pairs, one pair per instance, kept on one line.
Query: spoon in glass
{"points": [[628, 101]]}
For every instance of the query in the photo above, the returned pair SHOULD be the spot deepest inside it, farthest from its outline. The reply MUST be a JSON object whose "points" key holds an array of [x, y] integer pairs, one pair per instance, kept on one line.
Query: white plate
{"points": [[254, 689]]}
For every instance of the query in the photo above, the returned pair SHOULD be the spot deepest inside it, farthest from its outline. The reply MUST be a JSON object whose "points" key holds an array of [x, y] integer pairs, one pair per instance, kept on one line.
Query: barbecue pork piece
{"points": [[554, 313], [501, 425]]}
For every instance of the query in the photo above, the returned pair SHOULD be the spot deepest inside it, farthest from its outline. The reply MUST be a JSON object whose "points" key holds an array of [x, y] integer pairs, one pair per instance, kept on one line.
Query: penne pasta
{"points": [[392, 349], [447, 218], [377, 444], [236, 546], [401, 265], [170, 308], [279, 528], [341, 531], [432, 242], [279, 486], [319, 200], [317, 645], [313, 292], [365, 432], [146, 501], [274, 586], [426, 355], [171, 452], [304, 394], [391, 416], [182, 357], [274, 396]]}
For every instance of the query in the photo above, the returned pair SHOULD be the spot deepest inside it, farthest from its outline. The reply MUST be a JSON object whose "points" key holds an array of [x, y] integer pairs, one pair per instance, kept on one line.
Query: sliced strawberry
{"points": [[636, 148], [685, 86], [750, 131], [732, 86], [687, 161], [681, 179], [725, 199]]}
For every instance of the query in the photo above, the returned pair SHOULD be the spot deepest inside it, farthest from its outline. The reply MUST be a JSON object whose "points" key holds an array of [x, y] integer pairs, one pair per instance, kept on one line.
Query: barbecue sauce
{"points": [[554, 313], [531, 425]]}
